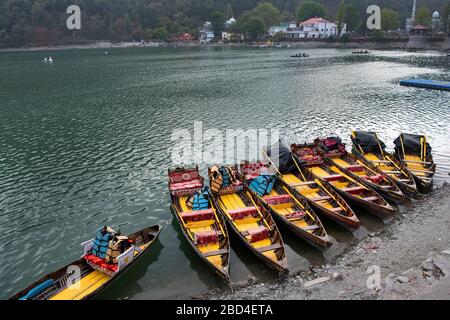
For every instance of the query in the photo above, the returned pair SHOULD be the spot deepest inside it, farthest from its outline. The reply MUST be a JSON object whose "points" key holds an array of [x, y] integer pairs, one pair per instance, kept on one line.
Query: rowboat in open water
{"points": [[320, 196], [415, 153], [81, 279], [334, 149], [368, 147], [247, 217], [352, 189], [288, 208], [203, 228]]}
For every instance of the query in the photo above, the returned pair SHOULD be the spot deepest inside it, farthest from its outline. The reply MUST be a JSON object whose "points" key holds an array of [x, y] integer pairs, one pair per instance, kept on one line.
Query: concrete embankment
{"points": [[311, 44], [408, 259]]}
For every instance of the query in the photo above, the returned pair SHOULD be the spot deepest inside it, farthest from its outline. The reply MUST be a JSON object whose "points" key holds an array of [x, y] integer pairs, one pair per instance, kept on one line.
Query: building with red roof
{"points": [[313, 28]]}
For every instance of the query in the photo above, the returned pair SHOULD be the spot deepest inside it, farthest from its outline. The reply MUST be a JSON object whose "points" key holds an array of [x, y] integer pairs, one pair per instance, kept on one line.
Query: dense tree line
{"points": [[38, 22]]}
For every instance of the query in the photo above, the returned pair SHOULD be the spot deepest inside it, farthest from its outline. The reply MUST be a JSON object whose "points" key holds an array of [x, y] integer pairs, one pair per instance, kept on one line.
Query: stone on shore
{"points": [[315, 282]]}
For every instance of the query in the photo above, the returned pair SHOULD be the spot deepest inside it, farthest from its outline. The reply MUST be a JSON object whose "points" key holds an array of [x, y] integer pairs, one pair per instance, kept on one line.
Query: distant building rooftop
{"points": [[316, 20], [419, 27]]}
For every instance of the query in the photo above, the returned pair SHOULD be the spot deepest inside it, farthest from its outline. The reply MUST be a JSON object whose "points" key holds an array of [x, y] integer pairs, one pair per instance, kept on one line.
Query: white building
{"points": [[436, 21], [206, 33], [314, 28]]}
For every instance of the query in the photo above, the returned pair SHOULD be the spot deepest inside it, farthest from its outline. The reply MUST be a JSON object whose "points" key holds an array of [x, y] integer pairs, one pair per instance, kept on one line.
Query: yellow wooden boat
{"points": [[368, 147], [321, 196], [415, 153], [355, 167], [352, 189], [205, 230], [289, 208], [251, 222], [80, 281]]}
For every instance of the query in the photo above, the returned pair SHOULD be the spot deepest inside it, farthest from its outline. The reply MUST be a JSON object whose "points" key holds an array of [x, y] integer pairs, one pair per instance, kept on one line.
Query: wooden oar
{"points": [[298, 168], [257, 209], [319, 183], [285, 189], [360, 149], [185, 226], [330, 194], [424, 148], [217, 218], [403, 147], [379, 145], [400, 169], [299, 203]]}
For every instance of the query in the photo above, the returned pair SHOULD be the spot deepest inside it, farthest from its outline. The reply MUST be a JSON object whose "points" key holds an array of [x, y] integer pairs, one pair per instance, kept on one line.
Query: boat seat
{"points": [[271, 247], [336, 209], [191, 184], [247, 220], [258, 234], [242, 213], [279, 199], [195, 216], [308, 191], [333, 177], [381, 161], [386, 187], [321, 198], [215, 253], [200, 224], [356, 167], [370, 198], [404, 180], [419, 162], [299, 184], [206, 237], [312, 227], [423, 171], [297, 215], [354, 190]]}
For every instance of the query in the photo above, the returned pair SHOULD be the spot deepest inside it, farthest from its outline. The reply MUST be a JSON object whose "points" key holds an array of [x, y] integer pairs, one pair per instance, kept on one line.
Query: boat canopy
{"points": [[281, 155], [367, 141], [412, 144]]}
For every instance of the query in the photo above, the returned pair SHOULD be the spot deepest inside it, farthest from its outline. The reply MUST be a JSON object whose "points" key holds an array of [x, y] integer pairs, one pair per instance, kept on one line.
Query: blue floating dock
{"points": [[427, 84]]}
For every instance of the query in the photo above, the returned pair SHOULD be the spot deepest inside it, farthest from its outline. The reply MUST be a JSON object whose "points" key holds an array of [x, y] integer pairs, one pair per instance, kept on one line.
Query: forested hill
{"points": [[34, 22]]}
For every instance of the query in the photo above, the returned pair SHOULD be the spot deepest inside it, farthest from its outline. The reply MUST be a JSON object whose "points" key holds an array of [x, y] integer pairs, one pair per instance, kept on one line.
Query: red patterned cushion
{"points": [[273, 200], [195, 183], [242, 213], [205, 237], [356, 168], [377, 178], [295, 215], [200, 215], [258, 234], [100, 264]]}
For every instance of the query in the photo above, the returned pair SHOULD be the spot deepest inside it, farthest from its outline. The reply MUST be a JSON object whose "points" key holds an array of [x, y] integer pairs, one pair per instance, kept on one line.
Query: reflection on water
{"points": [[85, 142]]}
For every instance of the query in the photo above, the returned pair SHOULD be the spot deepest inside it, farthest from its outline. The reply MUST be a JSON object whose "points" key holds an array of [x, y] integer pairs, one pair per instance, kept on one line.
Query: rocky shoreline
{"points": [[408, 259], [373, 45]]}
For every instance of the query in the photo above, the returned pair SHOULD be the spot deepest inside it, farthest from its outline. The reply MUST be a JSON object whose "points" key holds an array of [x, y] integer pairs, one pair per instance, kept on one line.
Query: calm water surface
{"points": [[86, 141]]}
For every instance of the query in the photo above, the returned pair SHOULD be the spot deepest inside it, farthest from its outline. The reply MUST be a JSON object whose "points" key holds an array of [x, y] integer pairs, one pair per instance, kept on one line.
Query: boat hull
{"points": [[223, 274], [409, 190], [348, 223], [379, 211], [275, 266], [281, 266], [309, 238], [155, 231]]}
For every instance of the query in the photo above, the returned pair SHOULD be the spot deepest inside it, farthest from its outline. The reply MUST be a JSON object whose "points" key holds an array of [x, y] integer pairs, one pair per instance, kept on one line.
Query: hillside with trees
{"points": [[42, 22]]}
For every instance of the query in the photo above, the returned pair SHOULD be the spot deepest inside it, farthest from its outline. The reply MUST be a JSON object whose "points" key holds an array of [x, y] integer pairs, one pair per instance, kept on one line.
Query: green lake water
{"points": [[87, 141]]}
